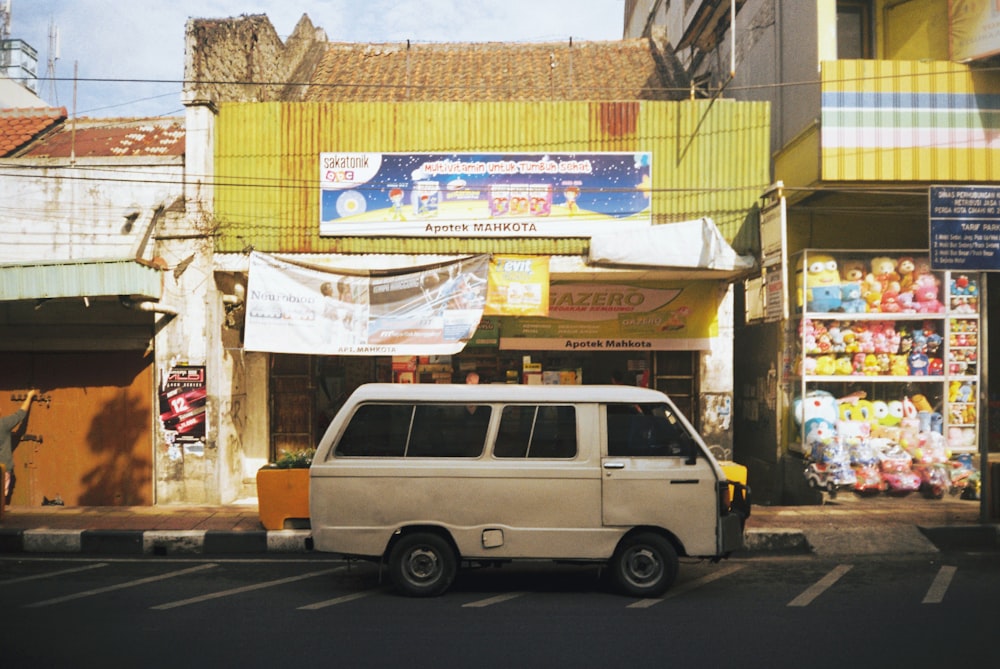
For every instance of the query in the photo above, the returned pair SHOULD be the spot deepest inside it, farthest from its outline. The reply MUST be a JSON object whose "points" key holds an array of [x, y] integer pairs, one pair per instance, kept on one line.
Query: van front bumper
{"points": [[734, 521]]}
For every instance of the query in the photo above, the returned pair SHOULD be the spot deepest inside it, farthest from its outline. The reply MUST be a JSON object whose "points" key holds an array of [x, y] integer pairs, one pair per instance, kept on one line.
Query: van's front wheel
{"points": [[422, 565], [645, 565]]}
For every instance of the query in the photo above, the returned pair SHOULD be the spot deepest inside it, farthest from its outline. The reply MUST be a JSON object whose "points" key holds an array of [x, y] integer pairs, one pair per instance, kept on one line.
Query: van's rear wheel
{"points": [[645, 565], [422, 565]]}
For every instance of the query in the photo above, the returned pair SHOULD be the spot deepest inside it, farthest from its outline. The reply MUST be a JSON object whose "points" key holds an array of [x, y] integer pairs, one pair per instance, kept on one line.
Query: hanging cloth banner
{"points": [[620, 317], [518, 286], [293, 308]]}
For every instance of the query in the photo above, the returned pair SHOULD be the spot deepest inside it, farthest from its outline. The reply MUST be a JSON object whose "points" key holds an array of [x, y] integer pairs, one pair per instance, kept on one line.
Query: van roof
{"points": [[503, 392]]}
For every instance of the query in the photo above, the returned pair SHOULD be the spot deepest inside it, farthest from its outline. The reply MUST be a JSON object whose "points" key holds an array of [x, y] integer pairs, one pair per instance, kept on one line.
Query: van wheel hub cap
{"points": [[422, 564]]}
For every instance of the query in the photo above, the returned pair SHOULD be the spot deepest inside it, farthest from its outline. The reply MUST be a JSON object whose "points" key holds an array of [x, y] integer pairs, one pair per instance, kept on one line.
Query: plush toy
{"points": [[851, 299], [807, 330], [836, 337], [884, 273], [843, 366], [895, 414], [807, 366], [822, 284], [817, 404], [921, 403], [905, 269], [925, 295], [826, 365], [918, 362], [853, 269], [898, 365], [883, 363], [871, 293]]}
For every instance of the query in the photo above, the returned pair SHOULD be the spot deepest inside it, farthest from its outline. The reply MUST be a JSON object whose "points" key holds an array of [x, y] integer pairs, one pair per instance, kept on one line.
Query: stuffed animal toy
{"points": [[905, 269], [817, 404], [851, 298], [852, 269], [925, 295], [898, 365], [884, 273], [822, 284]]}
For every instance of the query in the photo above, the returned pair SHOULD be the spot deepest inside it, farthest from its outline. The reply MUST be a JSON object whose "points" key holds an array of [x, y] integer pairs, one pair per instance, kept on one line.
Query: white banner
{"points": [[296, 309]]}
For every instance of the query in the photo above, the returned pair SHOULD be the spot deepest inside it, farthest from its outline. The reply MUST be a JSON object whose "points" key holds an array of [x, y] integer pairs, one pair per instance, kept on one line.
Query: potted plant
{"points": [[283, 490]]}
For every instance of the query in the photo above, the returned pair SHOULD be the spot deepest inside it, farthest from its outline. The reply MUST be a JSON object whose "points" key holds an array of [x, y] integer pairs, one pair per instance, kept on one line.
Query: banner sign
{"points": [[518, 286], [619, 317], [483, 194], [292, 308], [183, 396], [965, 228]]}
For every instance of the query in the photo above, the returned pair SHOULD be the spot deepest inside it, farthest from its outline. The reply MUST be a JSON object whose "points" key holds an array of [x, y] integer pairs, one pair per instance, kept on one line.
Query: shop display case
{"points": [[881, 367]]}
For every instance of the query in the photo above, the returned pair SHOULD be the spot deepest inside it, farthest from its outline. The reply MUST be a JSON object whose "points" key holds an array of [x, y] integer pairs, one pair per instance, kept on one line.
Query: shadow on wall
{"points": [[123, 475]]}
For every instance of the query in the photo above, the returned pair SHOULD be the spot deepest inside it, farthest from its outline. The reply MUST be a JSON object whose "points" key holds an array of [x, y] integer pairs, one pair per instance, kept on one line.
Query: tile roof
{"points": [[110, 137], [630, 69], [19, 126]]}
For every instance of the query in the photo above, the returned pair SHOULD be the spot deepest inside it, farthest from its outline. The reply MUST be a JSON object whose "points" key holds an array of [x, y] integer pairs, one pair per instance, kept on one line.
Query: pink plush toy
{"points": [[925, 295]]}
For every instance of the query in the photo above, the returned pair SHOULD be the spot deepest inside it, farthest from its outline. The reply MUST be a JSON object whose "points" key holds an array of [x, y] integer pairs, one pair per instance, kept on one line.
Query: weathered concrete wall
{"points": [[243, 59], [716, 391], [90, 212]]}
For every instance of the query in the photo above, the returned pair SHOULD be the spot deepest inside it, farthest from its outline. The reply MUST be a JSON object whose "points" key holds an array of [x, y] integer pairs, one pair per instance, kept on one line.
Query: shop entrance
{"points": [[306, 391]]}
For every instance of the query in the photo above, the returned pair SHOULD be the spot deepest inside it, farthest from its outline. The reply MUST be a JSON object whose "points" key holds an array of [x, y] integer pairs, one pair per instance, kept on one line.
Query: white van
{"points": [[429, 476]]}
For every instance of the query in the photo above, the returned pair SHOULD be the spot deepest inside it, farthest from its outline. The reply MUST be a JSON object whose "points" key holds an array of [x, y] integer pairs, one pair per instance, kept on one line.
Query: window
{"points": [[647, 430], [416, 431], [542, 431], [853, 29]]}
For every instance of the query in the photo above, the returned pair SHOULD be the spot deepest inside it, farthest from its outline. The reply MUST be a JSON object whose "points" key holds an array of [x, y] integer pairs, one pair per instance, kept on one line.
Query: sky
{"points": [[128, 55]]}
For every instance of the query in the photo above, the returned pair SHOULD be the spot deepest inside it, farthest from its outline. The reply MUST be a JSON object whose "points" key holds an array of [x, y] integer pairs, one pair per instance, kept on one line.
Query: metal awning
{"points": [[36, 280]]}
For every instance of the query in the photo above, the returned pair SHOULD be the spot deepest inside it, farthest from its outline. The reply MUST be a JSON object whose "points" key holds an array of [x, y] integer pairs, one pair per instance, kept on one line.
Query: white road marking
{"points": [[821, 586], [246, 588], [120, 586], [54, 573], [686, 587], [341, 600], [935, 594], [492, 600]]}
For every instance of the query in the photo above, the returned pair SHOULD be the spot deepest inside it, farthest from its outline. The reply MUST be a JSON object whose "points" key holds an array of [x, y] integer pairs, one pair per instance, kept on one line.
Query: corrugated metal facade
{"points": [[909, 121], [79, 278], [708, 160]]}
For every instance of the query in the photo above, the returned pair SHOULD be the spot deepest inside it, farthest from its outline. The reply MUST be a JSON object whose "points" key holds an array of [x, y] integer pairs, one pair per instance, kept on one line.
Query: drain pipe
{"points": [[148, 305]]}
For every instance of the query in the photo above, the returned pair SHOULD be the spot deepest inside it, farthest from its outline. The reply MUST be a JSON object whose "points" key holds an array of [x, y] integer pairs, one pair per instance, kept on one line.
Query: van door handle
{"points": [[614, 465]]}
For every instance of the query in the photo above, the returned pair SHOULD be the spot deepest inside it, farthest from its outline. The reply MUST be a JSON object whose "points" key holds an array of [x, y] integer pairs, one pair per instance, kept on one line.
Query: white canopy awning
{"points": [[692, 245]]}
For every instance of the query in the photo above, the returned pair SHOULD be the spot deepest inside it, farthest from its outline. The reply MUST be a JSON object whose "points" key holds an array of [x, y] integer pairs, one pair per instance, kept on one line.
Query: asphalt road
{"points": [[775, 612]]}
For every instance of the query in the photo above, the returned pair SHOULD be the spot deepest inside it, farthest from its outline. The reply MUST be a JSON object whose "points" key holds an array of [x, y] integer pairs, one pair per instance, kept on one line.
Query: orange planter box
{"points": [[282, 494]]}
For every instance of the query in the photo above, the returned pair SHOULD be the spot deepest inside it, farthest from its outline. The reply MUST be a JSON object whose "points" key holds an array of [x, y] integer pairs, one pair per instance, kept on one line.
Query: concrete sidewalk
{"points": [[847, 525]]}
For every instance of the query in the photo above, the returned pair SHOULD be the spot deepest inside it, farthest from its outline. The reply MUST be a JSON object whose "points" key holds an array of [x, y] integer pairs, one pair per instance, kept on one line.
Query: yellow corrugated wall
{"points": [[708, 160], [909, 121]]}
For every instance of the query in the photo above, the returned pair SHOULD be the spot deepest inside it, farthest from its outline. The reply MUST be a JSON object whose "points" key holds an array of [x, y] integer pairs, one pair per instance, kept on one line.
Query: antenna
{"points": [[50, 73]]}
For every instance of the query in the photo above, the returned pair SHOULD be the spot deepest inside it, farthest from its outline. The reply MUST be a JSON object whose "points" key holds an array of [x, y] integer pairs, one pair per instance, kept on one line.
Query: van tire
{"points": [[644, 565], [422, 565]]}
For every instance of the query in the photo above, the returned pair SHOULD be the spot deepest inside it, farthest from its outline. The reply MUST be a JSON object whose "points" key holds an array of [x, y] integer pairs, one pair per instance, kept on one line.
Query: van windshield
{"points": [[647, 430]]}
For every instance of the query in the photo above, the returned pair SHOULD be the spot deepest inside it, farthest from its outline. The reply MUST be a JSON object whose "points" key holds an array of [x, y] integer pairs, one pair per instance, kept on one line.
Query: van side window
{"points": [[377, 430], [646, 430], [448, 431], [530, 431], [416, 431]]}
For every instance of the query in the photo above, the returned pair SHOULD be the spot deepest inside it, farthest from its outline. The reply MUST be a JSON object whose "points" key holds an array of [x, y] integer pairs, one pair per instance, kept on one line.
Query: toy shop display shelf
{"points": [[882, 325]]}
